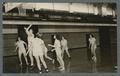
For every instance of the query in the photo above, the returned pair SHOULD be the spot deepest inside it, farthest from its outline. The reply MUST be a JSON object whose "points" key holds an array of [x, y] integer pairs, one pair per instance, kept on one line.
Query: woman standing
{"points": [[44, 48], [93, 46], [57, 46], [38, 52], [30, 37], [21, 50], [64, 46]]}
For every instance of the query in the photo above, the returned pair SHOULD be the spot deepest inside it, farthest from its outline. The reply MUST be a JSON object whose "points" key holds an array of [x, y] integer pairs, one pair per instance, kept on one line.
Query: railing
{"points": [[58, 16]]}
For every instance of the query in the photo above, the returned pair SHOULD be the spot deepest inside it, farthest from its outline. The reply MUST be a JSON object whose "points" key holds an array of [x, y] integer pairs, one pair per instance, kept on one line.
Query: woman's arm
{"points": [[29, 50], [89, 44], [26, 29], [16, 47], [95, 43], [29, 27], [25, 44], [66, 43], [52, 50], [51, 45]]}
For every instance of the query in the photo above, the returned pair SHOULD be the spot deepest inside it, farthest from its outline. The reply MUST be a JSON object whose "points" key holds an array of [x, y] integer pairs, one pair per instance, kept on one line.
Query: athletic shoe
{"points": [[40, 71], [62, 69], [46, 70], [31, 65], [59, 67]]}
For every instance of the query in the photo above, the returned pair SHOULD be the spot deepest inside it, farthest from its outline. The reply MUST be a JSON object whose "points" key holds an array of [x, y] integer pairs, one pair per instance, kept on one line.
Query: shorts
{"points": [[37, 53]]}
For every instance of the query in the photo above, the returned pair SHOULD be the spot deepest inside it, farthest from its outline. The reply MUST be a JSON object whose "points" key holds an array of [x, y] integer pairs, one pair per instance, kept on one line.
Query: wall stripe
{"points": [[10, 31], [47, 30], [14, 22], [69, 30]]}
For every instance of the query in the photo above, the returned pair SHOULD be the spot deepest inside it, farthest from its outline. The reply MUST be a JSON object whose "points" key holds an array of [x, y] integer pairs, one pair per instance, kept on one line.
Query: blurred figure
{"points": [[37, 45], [58, 50], [21, 50], [64, 46], [54, 56], [30, 37], [93, 46], [44, 48]]}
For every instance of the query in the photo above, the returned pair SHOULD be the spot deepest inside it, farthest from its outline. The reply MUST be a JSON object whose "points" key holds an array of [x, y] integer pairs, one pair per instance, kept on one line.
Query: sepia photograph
{"points": [[59, 37]]}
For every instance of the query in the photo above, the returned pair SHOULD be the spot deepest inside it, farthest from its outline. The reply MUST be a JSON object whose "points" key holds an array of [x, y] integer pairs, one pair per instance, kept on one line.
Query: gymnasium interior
{"points": [[74, 21]]}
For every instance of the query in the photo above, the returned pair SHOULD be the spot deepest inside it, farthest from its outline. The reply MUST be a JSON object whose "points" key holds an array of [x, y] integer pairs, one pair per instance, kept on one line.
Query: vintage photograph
{"points": [[59, 37]]}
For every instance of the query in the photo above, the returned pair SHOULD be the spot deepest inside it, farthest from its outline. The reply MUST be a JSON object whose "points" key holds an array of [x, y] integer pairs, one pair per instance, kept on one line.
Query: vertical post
{"points": [[105, 46]]}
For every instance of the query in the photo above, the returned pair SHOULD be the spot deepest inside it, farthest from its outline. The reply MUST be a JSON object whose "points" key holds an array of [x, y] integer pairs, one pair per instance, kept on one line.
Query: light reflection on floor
{"points": [[78, 64]]}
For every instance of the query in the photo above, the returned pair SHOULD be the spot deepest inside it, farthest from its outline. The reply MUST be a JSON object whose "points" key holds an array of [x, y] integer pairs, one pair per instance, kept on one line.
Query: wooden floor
{"points": [[79, 63]]}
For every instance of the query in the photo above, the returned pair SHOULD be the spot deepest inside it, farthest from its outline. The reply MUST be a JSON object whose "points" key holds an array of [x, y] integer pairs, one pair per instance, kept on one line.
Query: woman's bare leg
{"points": [[30, 53], [20, 59], [43, 61], [25, 58], [60, 60], [31, 58], [94, 54], [46, 56], [38, 62]]}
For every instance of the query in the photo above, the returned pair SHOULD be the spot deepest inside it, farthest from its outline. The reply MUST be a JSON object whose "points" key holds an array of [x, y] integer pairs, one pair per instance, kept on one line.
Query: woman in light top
{"points": [[64, 46], [44, 48], [30, 37], [37, 45], [57, 46], [21, 50], [93, 46]]}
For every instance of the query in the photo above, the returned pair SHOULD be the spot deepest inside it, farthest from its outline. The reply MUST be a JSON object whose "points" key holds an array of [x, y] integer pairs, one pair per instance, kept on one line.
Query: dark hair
{"points": [[39, 35], [17, 38], [58, 37], [63, 37], [91, 35]]}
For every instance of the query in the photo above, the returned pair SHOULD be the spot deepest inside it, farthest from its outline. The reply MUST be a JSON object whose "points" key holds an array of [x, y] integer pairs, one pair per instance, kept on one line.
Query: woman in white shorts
{"points": [[57, 46], [21, 50], [30, 37], [38, 53], [64, 46], [93, 46]]}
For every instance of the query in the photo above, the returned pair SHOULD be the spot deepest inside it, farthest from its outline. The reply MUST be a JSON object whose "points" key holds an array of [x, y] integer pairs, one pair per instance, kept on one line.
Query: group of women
{"points": [[36, 49]]}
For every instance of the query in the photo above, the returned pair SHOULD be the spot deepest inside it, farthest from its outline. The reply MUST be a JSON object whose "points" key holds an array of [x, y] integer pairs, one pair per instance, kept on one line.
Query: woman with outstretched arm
{"points": [[30, 37], [57, 46]]}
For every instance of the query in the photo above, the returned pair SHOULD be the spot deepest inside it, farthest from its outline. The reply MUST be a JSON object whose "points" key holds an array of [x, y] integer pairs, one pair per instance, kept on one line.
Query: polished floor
{"points": [[78, 63]]}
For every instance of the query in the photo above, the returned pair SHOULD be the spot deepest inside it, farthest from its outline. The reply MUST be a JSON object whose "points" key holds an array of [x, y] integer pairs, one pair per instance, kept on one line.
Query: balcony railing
{"points": [[60, 16]]}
